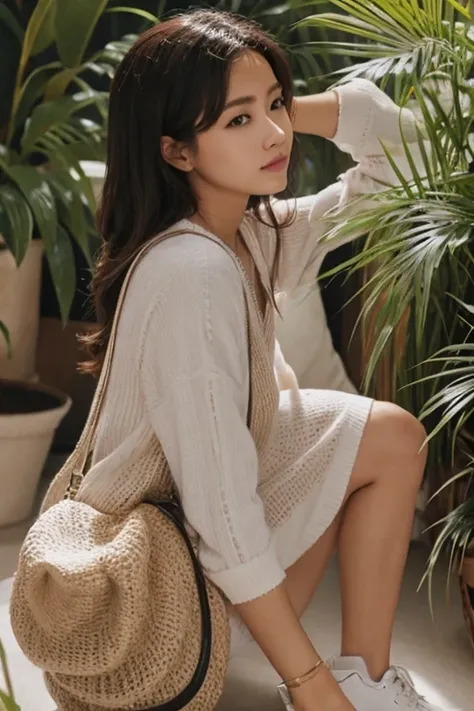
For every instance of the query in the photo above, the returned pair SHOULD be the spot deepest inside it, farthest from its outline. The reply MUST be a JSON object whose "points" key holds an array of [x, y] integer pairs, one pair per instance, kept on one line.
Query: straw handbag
{"points": [[115, 608]]}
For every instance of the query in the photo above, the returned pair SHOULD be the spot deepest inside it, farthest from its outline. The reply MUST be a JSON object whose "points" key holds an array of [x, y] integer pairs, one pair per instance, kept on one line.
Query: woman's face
{"points": [[254, 130]]}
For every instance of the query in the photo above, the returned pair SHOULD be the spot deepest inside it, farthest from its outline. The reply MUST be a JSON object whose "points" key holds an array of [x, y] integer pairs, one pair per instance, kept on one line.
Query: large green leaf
{"points": [[70, 208], [38, 36], [135, 11], [54, 113], [61, 262], [39, 32], [63, 158], [30, 91], [45, 29], [17, 227], [38, 194], [74, 24], [56, 240], [58, 84]]}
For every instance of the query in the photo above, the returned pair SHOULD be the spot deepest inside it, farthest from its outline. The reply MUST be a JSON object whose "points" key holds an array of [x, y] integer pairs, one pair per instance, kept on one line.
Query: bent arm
{"points": [[366, 116], [316, 114]]}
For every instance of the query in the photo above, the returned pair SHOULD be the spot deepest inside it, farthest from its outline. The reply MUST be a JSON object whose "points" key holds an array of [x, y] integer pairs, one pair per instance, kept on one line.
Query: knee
{"points": [[403, 438], [392, 447]]}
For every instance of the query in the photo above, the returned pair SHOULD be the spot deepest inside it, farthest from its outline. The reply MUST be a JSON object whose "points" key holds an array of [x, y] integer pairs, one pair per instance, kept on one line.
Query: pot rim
{"points": [[63, 399]]}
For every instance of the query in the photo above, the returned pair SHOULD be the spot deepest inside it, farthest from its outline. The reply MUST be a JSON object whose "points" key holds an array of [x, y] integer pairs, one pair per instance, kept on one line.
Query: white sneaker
{"points": [[395, 690], [285, 697]]}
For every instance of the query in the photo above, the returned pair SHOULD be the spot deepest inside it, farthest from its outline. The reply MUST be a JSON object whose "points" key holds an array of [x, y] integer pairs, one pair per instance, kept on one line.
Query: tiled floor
{"points": [[436, 652]]}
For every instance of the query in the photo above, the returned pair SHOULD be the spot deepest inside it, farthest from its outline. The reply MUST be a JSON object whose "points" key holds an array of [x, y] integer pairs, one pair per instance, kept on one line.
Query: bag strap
{"points": [[84, 446], [174, 513]]}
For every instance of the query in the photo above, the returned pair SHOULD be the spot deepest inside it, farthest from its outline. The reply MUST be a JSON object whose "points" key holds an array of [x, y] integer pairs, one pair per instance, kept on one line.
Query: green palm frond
{"points": [[409, 238], [457, 532], [418, 249], [410, 38]]}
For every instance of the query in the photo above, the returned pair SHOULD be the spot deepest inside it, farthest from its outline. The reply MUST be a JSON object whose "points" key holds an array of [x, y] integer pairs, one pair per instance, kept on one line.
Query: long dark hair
{"points": [[172, 82]]}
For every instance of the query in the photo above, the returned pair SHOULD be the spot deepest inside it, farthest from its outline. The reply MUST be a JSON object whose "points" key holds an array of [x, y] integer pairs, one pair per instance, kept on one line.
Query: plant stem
{"points": [[6, 673]]}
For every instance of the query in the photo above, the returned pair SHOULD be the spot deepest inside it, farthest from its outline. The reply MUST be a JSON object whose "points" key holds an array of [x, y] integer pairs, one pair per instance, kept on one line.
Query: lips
{"points": [[276, 162]]}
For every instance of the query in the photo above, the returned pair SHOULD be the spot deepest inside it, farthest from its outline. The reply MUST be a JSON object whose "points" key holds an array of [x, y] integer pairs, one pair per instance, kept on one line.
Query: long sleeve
{"points": [[362, 112], [195, 379]]}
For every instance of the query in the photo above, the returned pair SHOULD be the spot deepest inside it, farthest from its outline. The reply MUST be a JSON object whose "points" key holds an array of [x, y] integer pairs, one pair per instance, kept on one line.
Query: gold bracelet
{"points": [[300, 680]]}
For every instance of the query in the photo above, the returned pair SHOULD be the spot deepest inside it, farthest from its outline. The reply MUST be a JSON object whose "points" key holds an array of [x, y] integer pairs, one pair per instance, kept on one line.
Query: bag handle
{"points": [[85, 443], [174, 513]]}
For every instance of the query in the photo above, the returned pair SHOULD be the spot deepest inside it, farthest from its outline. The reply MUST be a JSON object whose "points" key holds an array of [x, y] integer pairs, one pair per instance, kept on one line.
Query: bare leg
{"points": [[373, 532], [304, 576]]}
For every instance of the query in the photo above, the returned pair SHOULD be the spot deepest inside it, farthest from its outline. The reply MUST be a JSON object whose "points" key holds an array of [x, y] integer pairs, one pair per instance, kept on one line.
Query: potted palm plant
{"points": [[416, 263], [454, 365], [54, 119]]}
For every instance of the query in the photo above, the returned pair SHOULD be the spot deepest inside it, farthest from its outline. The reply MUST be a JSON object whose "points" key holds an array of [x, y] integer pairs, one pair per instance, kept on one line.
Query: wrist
{"points": [[317, 114]]}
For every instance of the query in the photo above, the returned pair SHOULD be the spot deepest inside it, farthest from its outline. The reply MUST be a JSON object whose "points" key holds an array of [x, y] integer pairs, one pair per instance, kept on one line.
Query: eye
{"points": [[240, 120], [279, 103]]}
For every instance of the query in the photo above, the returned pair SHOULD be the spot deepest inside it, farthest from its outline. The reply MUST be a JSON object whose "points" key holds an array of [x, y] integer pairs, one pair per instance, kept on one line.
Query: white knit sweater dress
{"points": [[181, 370]]}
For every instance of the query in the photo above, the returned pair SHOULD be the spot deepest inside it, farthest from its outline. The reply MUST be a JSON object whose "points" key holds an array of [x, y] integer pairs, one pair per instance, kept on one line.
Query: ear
{"points": [[177, 154]]}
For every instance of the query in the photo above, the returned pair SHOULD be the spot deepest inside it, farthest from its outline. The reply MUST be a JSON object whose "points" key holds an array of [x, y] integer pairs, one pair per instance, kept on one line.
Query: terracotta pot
{"points": [[29, 416], [19, 310]]}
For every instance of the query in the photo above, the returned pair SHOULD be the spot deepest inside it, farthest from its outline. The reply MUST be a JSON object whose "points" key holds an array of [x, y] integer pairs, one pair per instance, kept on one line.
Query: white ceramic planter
{"points": [[19, 310], [27, 425], [95, 171], [19, 297]]}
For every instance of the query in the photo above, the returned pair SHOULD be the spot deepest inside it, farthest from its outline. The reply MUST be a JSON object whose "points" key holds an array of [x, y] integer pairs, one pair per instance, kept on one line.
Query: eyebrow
{"points": [[250, 99]]}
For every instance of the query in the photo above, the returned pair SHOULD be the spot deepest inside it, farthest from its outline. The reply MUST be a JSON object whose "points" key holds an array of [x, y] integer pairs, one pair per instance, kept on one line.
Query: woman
{"points": [[202, 123]]}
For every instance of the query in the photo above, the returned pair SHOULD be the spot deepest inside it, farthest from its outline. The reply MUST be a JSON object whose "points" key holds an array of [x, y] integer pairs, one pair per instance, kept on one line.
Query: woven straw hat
{"points": [[108, 607]]}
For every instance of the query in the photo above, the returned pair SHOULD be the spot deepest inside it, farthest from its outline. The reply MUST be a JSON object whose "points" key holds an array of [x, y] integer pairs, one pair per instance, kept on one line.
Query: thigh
{"points": [[391, 437]]}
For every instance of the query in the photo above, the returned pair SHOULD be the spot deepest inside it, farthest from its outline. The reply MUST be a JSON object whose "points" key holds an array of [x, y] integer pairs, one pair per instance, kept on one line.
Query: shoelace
{"points": [[407, 689]]}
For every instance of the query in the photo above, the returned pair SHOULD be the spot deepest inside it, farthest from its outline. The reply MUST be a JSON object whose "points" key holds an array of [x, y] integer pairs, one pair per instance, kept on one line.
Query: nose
{"points": [[275, 135]]}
